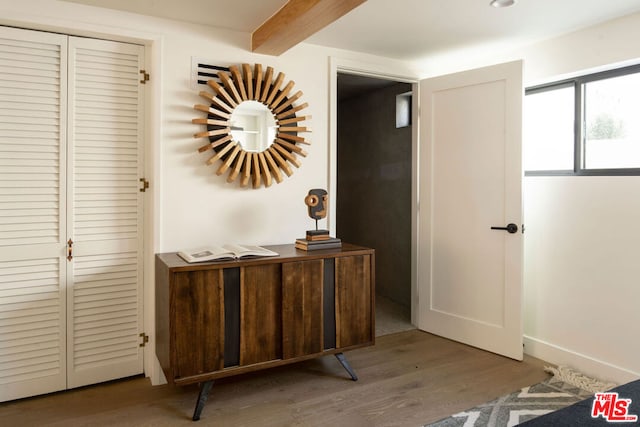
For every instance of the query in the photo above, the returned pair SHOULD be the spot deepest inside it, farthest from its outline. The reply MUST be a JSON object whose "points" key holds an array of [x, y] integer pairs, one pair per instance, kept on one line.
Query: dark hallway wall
{"points": [[374, 186]]}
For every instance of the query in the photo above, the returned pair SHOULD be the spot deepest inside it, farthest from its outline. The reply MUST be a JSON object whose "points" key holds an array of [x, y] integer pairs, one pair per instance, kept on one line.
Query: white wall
{"points": [[582, 273], [199, 207], [582, 240]]}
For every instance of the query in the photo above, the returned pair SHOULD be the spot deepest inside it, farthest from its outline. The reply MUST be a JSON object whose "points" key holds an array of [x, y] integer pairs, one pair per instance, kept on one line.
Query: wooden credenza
{"points": [[225, 318]]}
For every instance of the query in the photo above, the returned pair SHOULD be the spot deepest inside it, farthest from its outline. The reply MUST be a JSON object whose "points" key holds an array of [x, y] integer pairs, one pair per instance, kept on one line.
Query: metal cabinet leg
{"points": [[346, 366], [202, 399]]}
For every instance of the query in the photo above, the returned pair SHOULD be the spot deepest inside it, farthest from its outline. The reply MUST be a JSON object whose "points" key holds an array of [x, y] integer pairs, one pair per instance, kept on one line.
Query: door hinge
{"points": [[145, 185], [145, 339], [145, 77]]}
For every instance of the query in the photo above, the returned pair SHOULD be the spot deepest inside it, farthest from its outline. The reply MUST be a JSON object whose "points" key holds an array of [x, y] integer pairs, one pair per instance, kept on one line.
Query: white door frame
{"points": [[385, 72]]}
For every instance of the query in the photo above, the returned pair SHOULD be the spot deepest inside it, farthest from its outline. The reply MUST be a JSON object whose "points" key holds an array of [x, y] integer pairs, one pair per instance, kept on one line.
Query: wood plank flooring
{"points": [[407, 379]]}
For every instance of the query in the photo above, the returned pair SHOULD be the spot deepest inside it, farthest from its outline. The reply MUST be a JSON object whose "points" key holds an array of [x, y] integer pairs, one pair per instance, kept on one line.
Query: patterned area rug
{"points": [[530, 402]]}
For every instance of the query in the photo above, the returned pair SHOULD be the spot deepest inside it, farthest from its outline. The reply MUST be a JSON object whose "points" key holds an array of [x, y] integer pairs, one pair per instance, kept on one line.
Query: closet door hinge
{"points": [[144, 77], [145, 339], [145, 185]]}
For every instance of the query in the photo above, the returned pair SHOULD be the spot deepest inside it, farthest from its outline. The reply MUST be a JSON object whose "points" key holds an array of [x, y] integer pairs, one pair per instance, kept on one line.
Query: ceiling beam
{"points": [[295, 22]]}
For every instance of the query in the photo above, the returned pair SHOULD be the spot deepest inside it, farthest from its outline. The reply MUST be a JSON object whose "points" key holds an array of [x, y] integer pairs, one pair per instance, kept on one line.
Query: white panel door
{"points": [[470, 276], [33, 91], [105, 134]]}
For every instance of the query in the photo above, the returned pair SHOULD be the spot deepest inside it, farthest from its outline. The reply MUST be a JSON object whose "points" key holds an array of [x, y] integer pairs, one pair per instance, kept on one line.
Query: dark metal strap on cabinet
{"points": [[329, 303], [231, 317]]}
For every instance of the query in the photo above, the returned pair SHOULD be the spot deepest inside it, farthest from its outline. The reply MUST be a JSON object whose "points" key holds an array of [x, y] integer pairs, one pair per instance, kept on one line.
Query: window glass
{"points": [[612, 123], [403, 110], [548, 135]]}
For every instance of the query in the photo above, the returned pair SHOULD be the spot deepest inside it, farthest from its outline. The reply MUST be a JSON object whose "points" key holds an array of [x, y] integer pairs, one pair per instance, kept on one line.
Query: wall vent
{"points": [[203, 70]]}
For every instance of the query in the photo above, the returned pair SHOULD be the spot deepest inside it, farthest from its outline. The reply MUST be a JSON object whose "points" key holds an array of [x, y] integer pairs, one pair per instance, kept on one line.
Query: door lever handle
{"points": [[511, 228]]}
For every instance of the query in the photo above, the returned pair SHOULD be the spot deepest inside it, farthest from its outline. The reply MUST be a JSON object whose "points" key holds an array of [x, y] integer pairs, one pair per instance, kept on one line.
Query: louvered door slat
{"points": [[105, 211], [32, 213]]}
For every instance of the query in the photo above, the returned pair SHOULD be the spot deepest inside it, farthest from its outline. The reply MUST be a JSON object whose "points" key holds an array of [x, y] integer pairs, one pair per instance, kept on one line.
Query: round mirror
{"points": [[253, 126]]}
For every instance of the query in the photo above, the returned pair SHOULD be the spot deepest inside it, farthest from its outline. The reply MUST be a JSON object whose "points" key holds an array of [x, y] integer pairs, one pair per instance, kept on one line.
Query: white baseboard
{"points": [[156, 375], [589, 366]]}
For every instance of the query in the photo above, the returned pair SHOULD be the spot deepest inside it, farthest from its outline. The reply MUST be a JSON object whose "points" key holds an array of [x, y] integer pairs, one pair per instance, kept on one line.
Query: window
{"points": [[403, 110], [549, 147], [589, 125]]}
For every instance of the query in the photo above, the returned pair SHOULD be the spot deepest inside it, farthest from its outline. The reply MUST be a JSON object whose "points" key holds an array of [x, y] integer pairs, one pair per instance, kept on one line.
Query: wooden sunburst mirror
{"points": [[252, 125]]}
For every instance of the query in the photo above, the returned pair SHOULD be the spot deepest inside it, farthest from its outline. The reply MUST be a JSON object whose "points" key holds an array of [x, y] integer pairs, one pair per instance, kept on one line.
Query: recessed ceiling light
{"points": [[502, 3]]}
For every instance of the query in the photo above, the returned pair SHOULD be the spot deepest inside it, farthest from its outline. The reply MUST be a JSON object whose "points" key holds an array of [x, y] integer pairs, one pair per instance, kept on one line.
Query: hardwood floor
{"points": [[407, 379]]}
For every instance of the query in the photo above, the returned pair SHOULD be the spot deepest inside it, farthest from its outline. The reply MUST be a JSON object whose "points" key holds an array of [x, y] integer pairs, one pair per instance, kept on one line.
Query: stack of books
{"points": [[318, 239]]}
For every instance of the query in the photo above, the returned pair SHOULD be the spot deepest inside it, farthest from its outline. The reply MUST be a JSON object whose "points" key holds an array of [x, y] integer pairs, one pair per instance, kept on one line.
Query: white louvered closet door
{"points": [[104, 291], [32, 212]]}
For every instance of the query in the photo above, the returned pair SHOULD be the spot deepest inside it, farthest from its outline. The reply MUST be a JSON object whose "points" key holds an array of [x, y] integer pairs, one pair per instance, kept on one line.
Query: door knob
{"points": [[511, 228]]}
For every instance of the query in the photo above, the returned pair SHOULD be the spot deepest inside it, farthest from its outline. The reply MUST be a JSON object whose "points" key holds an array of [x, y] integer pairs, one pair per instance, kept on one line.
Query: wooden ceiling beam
{"points": [[295, 22]]}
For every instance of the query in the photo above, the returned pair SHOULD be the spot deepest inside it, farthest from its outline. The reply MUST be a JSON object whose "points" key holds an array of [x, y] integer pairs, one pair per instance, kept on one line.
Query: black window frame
{"points": [[578, 124]]}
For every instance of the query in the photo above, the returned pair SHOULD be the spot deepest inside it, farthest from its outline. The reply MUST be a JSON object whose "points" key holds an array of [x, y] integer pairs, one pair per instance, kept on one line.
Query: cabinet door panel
{"points": [[354, 313], [199, 322], [302, 284], [260, 313]]}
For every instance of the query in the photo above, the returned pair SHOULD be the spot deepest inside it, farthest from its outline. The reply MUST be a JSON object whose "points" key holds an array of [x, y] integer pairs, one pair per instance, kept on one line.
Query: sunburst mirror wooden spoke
{"points": [[253, 125]]}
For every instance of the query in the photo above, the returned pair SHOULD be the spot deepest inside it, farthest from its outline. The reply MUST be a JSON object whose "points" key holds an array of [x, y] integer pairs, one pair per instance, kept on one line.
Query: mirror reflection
{"points": [[253, 125]]}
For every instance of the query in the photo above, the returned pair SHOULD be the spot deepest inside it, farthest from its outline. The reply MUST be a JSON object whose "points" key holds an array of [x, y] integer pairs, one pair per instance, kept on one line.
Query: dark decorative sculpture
{"points": [[318, 203]]}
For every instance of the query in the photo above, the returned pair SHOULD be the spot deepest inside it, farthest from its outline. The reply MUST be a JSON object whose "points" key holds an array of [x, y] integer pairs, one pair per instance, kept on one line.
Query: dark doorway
{"points": [[373, 200]]}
